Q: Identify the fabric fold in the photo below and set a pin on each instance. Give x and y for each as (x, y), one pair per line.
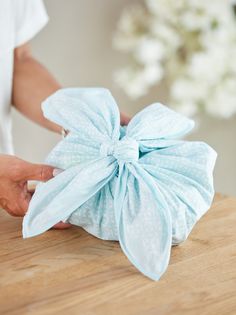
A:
(61, 196)
(144, 229)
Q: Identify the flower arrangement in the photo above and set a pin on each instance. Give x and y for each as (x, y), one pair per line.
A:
(190, 45)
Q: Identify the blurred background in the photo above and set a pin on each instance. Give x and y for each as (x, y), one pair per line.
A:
(182, 54)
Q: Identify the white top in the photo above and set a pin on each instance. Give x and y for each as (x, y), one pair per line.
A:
(20, 20)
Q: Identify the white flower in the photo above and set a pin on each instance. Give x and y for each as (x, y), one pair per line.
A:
(188, 109)
(149, 50)
(163, 10)
(130, 27)
(152, 73)
(222, 103)
(166, 34)
(184, 90)
(208, 66)
(190, 44)
(136, 81)
(132, 82)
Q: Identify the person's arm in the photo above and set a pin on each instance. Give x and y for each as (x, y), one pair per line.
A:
(32, 84)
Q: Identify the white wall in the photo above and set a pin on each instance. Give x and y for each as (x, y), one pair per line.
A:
(76, 47)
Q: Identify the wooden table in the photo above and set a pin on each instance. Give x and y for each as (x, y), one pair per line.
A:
(71, 272)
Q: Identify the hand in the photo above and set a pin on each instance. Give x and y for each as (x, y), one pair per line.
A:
(14, 175)
(124, 119)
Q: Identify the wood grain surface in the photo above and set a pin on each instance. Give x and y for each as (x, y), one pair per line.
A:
(72, 272)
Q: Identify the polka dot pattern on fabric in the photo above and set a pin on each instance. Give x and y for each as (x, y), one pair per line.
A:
(140, 185)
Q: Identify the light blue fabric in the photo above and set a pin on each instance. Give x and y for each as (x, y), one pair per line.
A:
(137, 184)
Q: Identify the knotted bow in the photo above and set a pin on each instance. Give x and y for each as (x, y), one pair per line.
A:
(137, 184)
(126, 150)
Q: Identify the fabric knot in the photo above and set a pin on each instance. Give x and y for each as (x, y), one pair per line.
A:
(126, 149)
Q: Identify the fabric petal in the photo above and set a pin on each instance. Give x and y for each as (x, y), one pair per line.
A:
(71, 151)
(184, 176)
(143, 220)
(96, 215)
(55, 200)
(92, 113)
(157, 122)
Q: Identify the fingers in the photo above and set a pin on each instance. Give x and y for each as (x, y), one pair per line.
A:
(62, 226)
(19, 170)
(16, 209)
(38, 172)
(14, 175)
(124, 119)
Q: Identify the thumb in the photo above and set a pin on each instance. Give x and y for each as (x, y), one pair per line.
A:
(124, 119)
(38, 172)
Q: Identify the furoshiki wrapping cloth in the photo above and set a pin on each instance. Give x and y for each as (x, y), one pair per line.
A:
(138, 184)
